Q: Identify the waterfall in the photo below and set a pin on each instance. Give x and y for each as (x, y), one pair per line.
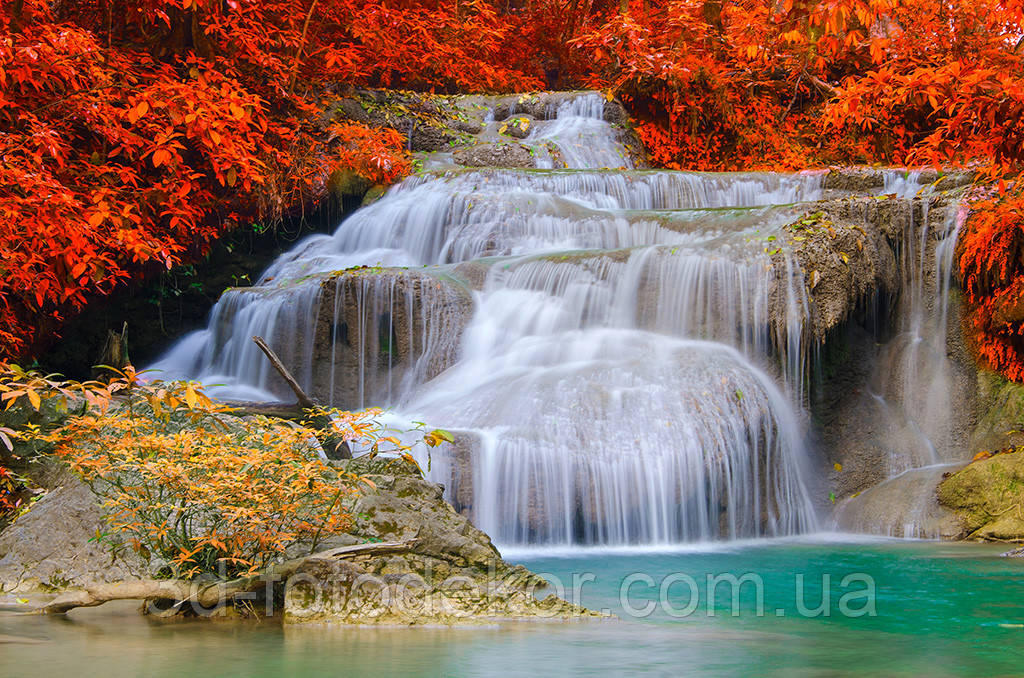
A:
(919, 400)
(628, 369)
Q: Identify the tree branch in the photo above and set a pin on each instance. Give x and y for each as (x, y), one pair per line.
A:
(305, 402)
(208, 594)
(302, 45)
(334, 446)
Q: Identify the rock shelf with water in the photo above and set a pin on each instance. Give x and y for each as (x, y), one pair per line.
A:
(634, 356)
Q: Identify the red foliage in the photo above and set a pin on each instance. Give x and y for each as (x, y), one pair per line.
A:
(134, 132)
(992, 266)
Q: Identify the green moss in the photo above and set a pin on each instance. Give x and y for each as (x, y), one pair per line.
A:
(1001, 421)
(988, 497)
(345, 184)
(386, 527)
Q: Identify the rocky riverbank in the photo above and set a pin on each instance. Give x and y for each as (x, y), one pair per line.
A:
(450, 573)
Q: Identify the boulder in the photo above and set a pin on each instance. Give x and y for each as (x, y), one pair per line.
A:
(988, 497)
(500, 154)
(55, 544)
(452, 576)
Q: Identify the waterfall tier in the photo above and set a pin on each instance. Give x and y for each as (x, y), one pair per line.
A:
(624, 352)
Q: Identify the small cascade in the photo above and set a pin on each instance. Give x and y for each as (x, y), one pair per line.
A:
(920, 394)
(381, 334)
(628, 367)
(914, 378)
(611, 436)
(581, 137)
(224, 356)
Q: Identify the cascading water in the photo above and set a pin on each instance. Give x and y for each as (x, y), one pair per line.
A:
(918, 394)
(631, 368)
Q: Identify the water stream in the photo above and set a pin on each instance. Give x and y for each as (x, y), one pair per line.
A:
(940, 610)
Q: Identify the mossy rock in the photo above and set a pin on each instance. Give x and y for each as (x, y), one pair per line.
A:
(988, 497)
(375, 193)
(1001, 421)
(345, 183)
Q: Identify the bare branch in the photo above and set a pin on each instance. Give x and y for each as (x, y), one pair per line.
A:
(208, 594)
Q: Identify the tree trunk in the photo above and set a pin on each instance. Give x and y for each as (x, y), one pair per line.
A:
(208, 594)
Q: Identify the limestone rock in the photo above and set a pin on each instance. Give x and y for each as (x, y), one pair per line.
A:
(500, 154)
(904, 506)
(988, 496)
(53, 545)
(453, 575)
(390, 324)
(1001, 421)
(351, 592)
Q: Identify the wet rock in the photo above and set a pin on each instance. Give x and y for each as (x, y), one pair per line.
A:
(988, 497)
(344, 184)
(426, 137)
(615, 113)
(502, 154)
(375, 193)
(885, 400)
(904, 506)
(518, 126)
(467, 126)
(867, 179)
(392, 326)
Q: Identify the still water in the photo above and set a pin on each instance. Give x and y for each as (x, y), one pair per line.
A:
(940, 610)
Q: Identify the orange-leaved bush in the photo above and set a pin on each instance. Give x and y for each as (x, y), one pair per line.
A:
(189, 487)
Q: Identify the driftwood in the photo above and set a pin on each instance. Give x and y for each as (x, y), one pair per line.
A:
(208, 594)
(305, 402)
(335, 447)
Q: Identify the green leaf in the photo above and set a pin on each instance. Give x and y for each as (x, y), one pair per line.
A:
(443, 435)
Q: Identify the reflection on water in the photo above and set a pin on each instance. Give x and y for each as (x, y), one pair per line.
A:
(942, 610)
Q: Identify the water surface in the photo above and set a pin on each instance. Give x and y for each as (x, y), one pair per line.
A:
(941, 610)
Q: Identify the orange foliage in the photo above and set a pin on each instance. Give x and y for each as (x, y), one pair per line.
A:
(133, 132)
(12, 495)
(991, 257)
(187, 485)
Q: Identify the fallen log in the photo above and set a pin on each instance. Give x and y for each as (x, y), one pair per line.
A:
(208, 594)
